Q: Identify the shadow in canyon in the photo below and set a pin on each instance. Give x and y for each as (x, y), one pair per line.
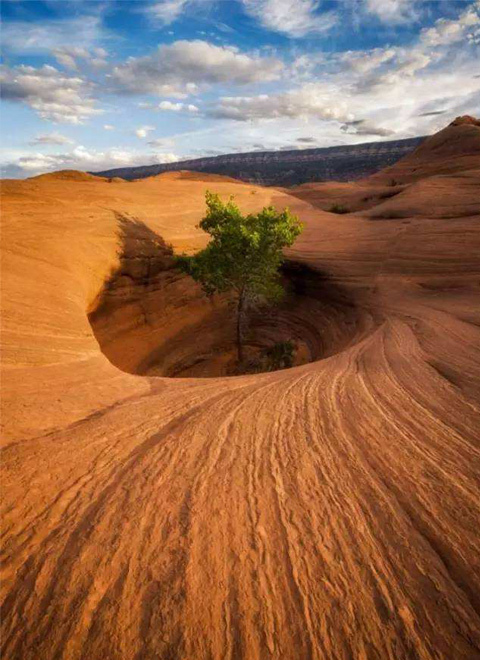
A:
(151, 319)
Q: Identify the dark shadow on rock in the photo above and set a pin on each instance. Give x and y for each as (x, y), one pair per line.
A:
(151, 319)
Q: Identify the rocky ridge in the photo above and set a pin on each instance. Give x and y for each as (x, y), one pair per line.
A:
(287, 168)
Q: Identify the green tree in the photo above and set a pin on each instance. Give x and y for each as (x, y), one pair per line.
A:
(243, 256)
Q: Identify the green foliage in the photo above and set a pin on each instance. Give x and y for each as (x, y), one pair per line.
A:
(280, 355)
(338, 208)
(245, 252)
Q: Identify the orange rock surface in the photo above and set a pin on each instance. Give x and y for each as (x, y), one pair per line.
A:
(328, 511)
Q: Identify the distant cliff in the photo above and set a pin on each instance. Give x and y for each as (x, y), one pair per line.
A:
(287, 168)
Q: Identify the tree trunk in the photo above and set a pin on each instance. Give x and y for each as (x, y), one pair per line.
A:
(240, 313)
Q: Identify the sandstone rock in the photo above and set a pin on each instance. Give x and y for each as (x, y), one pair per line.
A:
(329, 510)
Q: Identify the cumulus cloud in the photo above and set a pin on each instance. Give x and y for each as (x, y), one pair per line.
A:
(177, 107)
(68, 56)
(309, 100)
(446, 32)
(53, 95)
(343, 96)
(382, 92)
(393, 11)
(143, 131)
(295, 18)
(393, 67)
(83, 159)
(51, 138)
(176, 69)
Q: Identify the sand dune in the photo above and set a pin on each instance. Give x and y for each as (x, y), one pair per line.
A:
(328, 511)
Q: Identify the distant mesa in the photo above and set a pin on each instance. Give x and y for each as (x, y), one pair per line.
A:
(286, 168)
(342, 163)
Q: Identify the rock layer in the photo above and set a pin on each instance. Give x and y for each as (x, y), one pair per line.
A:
(325, 511)
(287, 168)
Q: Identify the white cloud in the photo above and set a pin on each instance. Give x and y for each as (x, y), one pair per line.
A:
(435, 52)
(167, 11)
(82, 159)
(309, 100)
(52, 94)
(68, 57)
(381, 92)
(161, 143)
(295, 18)
(366, 61)
(39, 37)
(397, 99)
(177, 107)
(446, 32)
(176, 70)
(164, 158)
(393, 11)
(67, 39)
(143, 131)
(168, 105)
(343, 96)
(407, 64)
(51, 138)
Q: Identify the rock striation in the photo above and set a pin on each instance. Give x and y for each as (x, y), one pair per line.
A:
(287, 168)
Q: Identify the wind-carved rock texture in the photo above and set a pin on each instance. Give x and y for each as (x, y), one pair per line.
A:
(325, 511)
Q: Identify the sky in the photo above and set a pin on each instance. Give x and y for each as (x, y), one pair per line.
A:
(91, 85)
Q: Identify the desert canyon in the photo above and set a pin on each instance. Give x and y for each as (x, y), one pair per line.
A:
(155, 507)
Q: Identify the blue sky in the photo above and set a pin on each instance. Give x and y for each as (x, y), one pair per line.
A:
(90, 85)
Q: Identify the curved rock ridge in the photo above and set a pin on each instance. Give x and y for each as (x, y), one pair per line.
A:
(454, 149)
(325, 511)
(68, 175)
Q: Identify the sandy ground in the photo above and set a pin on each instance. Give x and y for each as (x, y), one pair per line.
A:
(325, 512)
